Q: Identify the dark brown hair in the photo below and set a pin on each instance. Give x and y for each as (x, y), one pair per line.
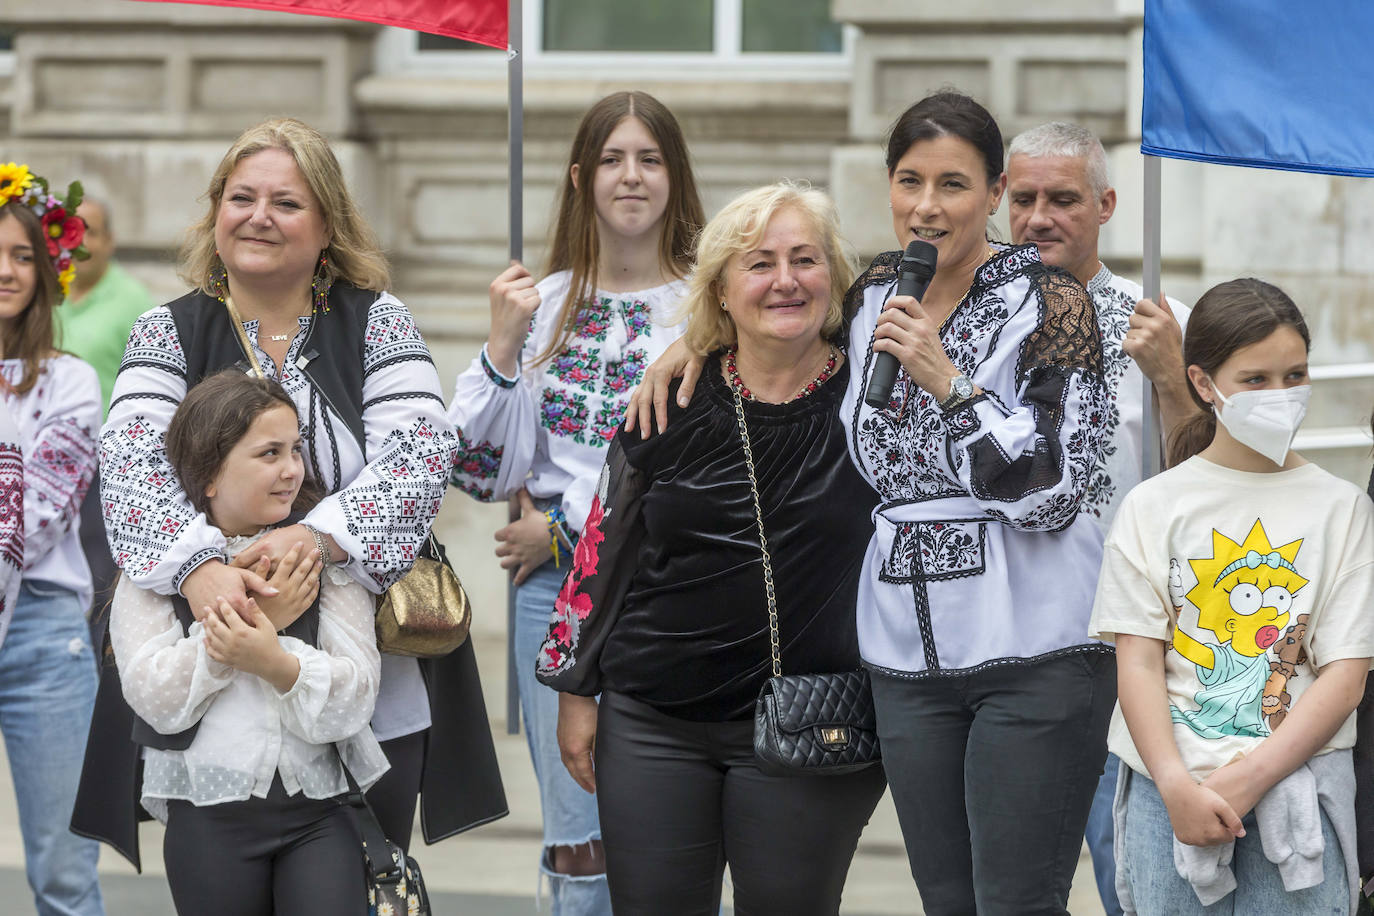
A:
(1229, 316)
(29, 335)
(948, 114)
(212, 418)
(574, 245)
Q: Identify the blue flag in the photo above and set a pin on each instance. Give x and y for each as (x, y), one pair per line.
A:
(1280, 84)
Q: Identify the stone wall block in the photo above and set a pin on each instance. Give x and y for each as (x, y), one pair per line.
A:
(1357, 230)
(1257, 221)
(190, 82)
(1182, 227)
(1024, 78)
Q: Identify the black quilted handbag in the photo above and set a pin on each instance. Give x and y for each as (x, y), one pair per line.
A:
(806, 724)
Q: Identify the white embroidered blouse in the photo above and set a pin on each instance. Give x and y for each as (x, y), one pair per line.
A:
(57, 420)
(549, 430)
(249, 731)
(980, 555)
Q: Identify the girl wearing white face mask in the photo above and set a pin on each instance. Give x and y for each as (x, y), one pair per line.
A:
(1235, 586)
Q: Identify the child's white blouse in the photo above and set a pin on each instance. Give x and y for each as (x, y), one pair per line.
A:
(248, 730)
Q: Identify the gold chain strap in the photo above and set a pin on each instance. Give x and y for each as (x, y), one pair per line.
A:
(243, 336)
(763, 538)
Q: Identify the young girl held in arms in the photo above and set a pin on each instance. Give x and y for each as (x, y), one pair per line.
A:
(1236, 586)
(256, 726)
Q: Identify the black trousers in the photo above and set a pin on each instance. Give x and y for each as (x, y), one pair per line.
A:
(678, 800)
(393, 796)
(992, 774)
(279, 854)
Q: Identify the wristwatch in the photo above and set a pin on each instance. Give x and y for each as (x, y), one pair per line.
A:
(960, 390)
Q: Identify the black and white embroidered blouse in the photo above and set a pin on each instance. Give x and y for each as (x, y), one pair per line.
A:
(980, 556)
(381, 504)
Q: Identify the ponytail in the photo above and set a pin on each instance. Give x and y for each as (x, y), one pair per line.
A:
(1192, 436)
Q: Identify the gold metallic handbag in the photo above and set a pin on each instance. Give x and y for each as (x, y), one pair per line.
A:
(426, 614)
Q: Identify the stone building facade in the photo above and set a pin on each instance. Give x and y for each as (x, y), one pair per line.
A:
(141, 100)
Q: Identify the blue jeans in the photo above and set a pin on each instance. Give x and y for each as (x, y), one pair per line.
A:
(1099, 836)
(1147, 866)
(569, 811)
(47, 691)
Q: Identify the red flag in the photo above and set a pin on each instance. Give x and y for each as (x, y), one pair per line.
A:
(485, 22)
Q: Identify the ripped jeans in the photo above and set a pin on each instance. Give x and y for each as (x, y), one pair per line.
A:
(569, 811)
(47, 692)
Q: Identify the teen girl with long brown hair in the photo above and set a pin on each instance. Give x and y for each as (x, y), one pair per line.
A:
(539, 406)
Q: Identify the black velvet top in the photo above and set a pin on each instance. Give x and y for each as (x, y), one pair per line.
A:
(692, 636)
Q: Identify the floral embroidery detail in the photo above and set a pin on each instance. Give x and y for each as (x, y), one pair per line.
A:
(565, 414)
(593, 320)
(934, 550)
(622, 376)
(638, 318)
(1114, 308)
(475, 464)
(576, 366)
(572, 605)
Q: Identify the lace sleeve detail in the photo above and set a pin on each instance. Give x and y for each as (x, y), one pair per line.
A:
(883, 270)
(1069, 337)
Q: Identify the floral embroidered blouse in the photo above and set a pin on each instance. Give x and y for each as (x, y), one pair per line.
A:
(980, 555)
(11, 516)
(549, 429)
(57, 420)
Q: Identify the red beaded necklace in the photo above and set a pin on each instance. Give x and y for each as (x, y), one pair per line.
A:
(732, 374)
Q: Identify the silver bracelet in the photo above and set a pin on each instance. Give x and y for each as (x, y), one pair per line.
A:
(321, 545)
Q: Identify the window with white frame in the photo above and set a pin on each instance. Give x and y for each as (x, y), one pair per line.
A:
(663, 33)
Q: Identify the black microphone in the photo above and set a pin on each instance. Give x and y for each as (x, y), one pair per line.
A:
(913, 279)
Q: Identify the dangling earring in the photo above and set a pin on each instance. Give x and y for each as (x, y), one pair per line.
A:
(319, 286)
(219, 280)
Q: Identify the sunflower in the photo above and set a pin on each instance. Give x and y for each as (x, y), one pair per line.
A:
(14, 180)
(65, 279)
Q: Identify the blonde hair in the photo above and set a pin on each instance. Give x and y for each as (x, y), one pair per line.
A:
(353, 254)
(739, 227)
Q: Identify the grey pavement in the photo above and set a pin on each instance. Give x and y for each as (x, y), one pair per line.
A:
(490, 871)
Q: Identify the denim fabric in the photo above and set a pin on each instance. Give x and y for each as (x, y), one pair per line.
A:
(992, 774)
(569, 811)
(1148, 870)
(1099, 836)
(47, 692)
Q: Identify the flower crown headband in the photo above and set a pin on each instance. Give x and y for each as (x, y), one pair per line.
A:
(63, 230)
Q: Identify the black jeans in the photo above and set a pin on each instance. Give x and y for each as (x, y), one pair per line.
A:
(992, 774)
(680, 799)
(282, 854)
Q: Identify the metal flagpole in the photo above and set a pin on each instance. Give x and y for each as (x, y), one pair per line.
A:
(1150, 436)
(515, 87)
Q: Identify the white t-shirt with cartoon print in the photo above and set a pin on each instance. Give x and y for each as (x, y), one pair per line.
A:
(1254, 582)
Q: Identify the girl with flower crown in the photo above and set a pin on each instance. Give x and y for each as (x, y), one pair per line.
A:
(540, 405)
(47, 667)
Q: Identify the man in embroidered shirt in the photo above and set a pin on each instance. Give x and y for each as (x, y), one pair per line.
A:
(1060, 198)
(94, 324)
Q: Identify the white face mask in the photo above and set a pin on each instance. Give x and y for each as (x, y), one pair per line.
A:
(1266, 420)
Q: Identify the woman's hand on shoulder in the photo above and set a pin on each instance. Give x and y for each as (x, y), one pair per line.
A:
(514, 300)
(577, 738)
(908, 333)
(1199, 815)
(216, 582)
(649, 400)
